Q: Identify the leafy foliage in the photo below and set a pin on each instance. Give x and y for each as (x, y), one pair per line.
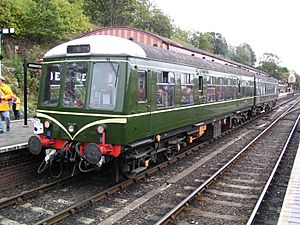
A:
(43, 20)
(181, 36)
(55, 19)
(204, 41)
(14, 13)
(211, 42)
(110, 13)
(270, 63)
(137, 13)
(221, 46)
(242, 54)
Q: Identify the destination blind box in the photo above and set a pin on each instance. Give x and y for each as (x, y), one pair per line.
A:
(34, 66)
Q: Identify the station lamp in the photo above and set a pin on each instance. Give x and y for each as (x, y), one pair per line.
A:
(4, 31)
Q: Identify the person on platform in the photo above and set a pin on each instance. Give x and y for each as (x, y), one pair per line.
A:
(16, 107)
(5, 95)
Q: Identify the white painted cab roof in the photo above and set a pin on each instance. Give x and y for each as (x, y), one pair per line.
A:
(99, 45)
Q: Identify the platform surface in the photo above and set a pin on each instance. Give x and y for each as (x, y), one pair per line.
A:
(18, 135)
(290, 211)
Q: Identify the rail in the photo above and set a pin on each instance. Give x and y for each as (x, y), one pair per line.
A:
(176, 210)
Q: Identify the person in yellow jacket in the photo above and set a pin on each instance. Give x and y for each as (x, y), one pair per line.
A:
(5, 95)
(16, 107)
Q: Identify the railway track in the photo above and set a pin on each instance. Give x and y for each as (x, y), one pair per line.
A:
(75, 209)
(24, 196)
(235, 192)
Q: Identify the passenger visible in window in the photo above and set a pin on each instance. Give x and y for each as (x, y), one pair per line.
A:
(219, 94)
(166, 97)
(159, 95)
(162, 97)
(69, 96)
(187, 95)
(70, 99)
(141, 94)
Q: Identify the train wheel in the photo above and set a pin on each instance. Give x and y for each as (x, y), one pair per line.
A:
(168, 155)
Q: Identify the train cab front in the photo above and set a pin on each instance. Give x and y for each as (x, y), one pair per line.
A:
(76, 110)
(84, 155)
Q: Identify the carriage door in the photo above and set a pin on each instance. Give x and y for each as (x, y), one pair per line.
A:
(144, 96)
(202, 96)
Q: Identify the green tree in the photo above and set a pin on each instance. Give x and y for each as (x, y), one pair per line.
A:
(55, 20)
(204, 41)
(136, 13)
(109, 13)
(221, 46)
(270, 64)
(14, 13)
(160, 23)
(181, 36)
(283, 74)
(150, 18)
(243, 54)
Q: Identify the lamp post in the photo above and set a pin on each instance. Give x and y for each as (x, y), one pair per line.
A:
(4, 31)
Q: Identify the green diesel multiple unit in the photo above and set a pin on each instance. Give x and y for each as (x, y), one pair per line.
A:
(104, 97)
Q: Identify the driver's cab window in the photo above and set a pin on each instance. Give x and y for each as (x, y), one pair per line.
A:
(52, 85)
(104, 86)
(75, 84)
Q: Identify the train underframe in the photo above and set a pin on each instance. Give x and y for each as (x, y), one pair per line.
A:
(139, 155)
(136, 156)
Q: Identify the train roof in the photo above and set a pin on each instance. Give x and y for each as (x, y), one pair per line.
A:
(112, 45)
(98, 44)
(180, 58)
(148, 38)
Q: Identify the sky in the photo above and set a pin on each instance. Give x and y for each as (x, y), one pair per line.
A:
(268, 26)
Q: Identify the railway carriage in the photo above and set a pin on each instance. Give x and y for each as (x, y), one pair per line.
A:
(106, 98)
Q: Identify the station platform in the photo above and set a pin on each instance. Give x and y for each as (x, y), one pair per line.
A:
(290, 211)
(18, 135)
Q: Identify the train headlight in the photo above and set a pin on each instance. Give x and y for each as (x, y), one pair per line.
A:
(47, 124)
(100, 129)
(71, 128)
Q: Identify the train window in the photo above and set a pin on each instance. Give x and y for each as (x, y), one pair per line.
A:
(211, 89)
(52, 85)
(165, 89)
(244, 85)
(104, 86)
(142, 86)
(187, 88)
(231, 89)
(220, 89)
(247, 88)
(75, 84)
(251, 88)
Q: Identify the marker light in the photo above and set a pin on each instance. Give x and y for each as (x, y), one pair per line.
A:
(71, 128)
(47, 124)
(100, 129)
